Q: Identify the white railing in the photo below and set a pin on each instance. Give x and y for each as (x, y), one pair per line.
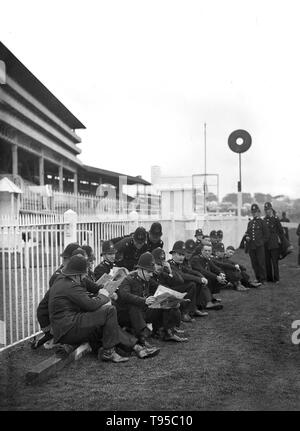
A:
(82, 204)
(30, 251)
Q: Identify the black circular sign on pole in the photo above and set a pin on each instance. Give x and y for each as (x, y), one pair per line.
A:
(241, 135)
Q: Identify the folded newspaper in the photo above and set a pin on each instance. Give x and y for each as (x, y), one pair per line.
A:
(166, 298)
(110, 282)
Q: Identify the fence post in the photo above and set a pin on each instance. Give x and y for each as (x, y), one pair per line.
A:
(2, 333)
(70, 231)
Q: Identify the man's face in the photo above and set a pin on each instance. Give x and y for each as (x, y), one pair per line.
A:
(206, 241)
(220, 254)
(269, 213)
(229, 253)
(110, 257)
(144, 274)
(154, 238)
(199, 238)
(255, 214)
(188, 254)
(178, 257)
(158, 268)
(138, 244)
(206, 251)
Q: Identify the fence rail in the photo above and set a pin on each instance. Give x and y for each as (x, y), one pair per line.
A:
(82, 204)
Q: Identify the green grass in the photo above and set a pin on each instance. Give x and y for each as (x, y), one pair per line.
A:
(240, 358)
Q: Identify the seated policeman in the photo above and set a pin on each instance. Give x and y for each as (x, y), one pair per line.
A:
(134, 298)
(202, 262)
(130, 249)
(109, 255)
(245, 277)
(187, 285)
(231, 270)
(76, 318)
(154, 237)
(42, 309)
(165, 322)
(198, 236)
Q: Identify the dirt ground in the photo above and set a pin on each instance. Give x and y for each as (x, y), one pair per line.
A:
(239, 358)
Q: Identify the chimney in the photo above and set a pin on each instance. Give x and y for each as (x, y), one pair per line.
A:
(155, 174)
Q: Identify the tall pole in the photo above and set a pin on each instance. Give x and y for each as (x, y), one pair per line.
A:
(239, 197)
(204, 185)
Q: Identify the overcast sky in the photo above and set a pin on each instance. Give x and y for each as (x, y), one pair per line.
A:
(144, 76)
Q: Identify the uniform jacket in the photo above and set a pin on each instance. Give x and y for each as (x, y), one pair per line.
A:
(151, 245)
(258, 232)
(276, 232)
(165, 279)
(89, 283)
(228, 260)
(190, 274)
(68, 300)
(206, 266)
(223, 263)
(42, 309)
(104, 267)
(128, 254)
(177, 272)
(132, 291)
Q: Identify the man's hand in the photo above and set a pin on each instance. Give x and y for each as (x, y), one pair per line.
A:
(204, 281)
(168, 267)
(114, 296)
(221, 280)
(247, 238)
(150, 300)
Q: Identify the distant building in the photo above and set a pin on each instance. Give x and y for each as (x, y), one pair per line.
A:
(38, 139)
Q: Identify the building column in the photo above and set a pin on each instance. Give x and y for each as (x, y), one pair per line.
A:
(61, 178)
(14, 150)
(75, 177)
(41, 171)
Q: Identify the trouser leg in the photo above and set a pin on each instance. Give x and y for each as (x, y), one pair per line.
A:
(97, 327)
(260, 255)
(213, 286)
(254, 263)
(274, 259)
(268, 261)
(190, 289)
(166, 319)
(134, 318)
(203, 296)
(245, 279)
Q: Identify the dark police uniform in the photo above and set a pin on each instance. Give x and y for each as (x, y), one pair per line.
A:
(155, 232)
(104, 267)
(258, 232)
(209, 270)
(272, 245)
(134, 313)
(128, 254)
(76, 318)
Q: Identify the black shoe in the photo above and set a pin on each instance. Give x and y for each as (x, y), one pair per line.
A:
(171, 336)
(143, 352)
(38, 343)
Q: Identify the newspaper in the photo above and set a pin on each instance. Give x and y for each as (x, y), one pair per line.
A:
(111, 282)
(166, 298)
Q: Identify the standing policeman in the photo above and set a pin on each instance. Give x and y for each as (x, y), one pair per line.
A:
(272, 245)
(257, 235)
